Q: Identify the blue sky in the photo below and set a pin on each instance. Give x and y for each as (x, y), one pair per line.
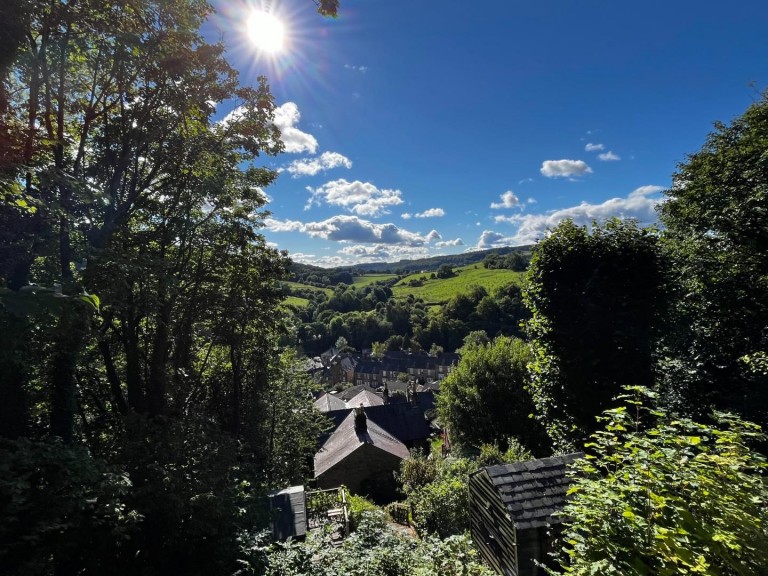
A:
(423, 127)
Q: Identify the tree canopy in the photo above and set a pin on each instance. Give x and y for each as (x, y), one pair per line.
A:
(716, 235)
(485, 400)
(597, 295)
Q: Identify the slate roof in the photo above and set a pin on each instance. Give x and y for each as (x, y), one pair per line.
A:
(403, 420)
(345, 440)
(365, 398)
(328, 402)
(368, 367)
(533, 490)
(351, 392)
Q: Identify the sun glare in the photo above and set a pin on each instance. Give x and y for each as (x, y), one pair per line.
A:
(266, 31)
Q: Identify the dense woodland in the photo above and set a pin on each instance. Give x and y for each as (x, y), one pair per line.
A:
(150, 394)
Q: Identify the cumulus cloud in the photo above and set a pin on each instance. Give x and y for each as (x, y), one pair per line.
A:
(430, 213)
(491, 239)
(449, 243)
(564, 168)
(406, 215)
(362, 69)
(508, 200)
(608, 156)
(640, 205)
(287, 117)
(345, 228)
(362, 198)
(594, 147)
(312, 166)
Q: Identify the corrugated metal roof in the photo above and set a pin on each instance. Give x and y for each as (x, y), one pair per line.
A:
(533, 490)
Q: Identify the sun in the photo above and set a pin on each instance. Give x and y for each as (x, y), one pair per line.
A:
(266, 31)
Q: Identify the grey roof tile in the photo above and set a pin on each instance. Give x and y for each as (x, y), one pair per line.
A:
(533, 490)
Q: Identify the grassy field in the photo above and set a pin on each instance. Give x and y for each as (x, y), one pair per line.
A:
(367, 279)
(296, 302)
(437, 291)
(297, 286)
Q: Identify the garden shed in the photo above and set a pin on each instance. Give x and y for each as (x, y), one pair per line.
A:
(513, 512)
(288, 513)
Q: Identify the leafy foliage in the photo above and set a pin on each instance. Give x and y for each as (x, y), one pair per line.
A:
(661, 495)
(485, 399)
(437, 492)
(717, 237)
(375, 550)
(597, 299)
(60, 507)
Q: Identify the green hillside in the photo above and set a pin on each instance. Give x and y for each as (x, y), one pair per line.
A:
(297, 286)
(438, 291)
(367, 279)
(296, 302)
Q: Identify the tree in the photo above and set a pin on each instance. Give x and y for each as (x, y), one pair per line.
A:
(717, 236)
(485, 400)
(597, 299)
(141, 198)
(445, 271)
(663, 495)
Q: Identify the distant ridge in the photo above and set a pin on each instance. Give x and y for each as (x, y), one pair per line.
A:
(409, 266)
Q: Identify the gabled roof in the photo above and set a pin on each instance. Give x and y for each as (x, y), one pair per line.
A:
(402, 420)
(328, 402)
(351, 392)
(365, 398)
(534, 490)
(345, 440)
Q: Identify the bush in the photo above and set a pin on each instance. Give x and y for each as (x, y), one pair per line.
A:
(661, 495)
(375, 550)
(359, 508)
(60, 507)
(441, 506)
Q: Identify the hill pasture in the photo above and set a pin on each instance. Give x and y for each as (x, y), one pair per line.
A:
(436, 291)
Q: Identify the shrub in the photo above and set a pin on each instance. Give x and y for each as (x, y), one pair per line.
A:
(661, 495)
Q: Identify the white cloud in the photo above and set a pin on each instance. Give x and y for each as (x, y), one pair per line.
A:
(431, 213)
(608, 156)
(311, 166)
(345, 228)
(362, 198)
(531, 200)
(508, 200)
(448, 243)
(287, 117)
(362, 69)
(406, 216)
(594, 147)
(564, 168)
(640, 205)
(491, 239)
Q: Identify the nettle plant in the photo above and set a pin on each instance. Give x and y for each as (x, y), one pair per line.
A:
(663, 495)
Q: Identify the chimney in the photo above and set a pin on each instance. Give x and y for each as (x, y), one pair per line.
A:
(361, 420)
